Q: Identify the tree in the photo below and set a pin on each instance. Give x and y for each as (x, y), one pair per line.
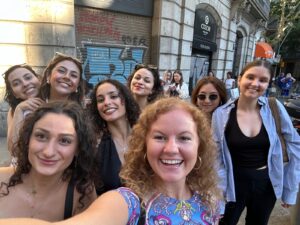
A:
(284, 24)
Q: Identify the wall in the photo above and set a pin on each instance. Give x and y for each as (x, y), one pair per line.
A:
(111, 43)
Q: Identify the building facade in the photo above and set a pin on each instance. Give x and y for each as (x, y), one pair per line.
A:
(111, 36)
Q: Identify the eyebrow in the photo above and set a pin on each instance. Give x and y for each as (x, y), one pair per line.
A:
(67, 69)
(108, 93)
(61, 134)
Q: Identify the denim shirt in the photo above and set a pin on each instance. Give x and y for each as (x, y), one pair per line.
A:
(285, 178)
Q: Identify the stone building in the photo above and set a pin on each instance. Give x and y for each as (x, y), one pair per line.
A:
(111, 36)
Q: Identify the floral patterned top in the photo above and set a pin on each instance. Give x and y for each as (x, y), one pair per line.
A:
(164, 210)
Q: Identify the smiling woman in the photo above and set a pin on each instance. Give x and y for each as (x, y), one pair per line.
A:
(113, 111)
(62, 79)
(54, 176)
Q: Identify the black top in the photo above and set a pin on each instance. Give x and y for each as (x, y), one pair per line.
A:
(109, 164)
(69, 200)
(248, 152)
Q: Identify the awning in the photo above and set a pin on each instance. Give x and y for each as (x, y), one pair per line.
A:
(263, 50)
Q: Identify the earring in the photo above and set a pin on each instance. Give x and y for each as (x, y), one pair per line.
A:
(76, 91)
(145, 157)
(200, 163)
(48, 81)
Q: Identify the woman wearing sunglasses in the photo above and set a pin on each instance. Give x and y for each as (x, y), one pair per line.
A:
(208, 94)
(145, 84)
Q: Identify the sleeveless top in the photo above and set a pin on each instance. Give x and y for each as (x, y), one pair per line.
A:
(69, 200)
(162, 209)
(109, 164)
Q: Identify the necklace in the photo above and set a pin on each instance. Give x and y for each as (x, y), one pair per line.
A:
(123, 148)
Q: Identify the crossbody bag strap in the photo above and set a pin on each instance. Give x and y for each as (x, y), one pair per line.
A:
(275, 113)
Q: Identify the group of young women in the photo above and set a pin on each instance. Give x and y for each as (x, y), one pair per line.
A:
(168, 162)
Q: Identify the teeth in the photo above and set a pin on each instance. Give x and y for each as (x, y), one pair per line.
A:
(109, 110)
(171, 161)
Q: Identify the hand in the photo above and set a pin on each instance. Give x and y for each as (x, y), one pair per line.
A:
(30, 104)
(285, 205)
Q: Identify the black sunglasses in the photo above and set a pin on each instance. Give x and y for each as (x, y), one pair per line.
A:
(149, 66)
(211, 97)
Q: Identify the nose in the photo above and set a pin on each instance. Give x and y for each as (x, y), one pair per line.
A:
(67, 75)
(255, 82)
(107, 100)
(49, 150)
(171, 145)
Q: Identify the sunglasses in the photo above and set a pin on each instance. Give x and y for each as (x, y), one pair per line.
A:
(59, 54)
(149, 66)
(211, 97)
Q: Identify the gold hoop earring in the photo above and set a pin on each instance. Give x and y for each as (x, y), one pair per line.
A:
(200, 163)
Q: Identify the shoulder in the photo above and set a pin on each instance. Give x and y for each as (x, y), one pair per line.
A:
(129, 196)
(6, 173)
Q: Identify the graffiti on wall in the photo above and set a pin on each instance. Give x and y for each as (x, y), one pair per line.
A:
(115, 61)
(92, 23)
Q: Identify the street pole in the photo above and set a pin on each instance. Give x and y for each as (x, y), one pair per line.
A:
(278, 50)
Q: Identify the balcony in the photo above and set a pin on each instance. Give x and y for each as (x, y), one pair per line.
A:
(260, 9)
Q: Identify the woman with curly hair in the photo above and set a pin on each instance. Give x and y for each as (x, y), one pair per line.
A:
(168, 173)
(22, 87)
(113, 111)
(62, 79)
(53, 179)
(145, 84)
(208, 94)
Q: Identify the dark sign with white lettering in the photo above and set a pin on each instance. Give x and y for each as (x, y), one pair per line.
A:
(205, 30)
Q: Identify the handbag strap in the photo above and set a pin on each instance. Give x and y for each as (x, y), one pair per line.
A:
(274, 109)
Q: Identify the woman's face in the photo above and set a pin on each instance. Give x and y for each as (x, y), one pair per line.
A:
(177, 78)
(52, 145)
(172, 146)
(142, 83)
(254, 82)
(111, 106)
(208, 98)
(64, 79)
(24, 83)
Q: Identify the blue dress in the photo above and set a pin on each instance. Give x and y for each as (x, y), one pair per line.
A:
(164, 210)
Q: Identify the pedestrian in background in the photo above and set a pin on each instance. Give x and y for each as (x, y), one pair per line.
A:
(252, 171)
(229, 84)
(178, 87)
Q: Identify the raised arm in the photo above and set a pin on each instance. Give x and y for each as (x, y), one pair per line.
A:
(109, 209)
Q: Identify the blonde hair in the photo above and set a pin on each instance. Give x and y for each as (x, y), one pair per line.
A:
(139, 176)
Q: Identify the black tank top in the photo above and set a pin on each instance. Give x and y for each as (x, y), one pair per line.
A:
(248, 152)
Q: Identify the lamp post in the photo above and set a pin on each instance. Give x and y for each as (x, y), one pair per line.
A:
(278, 50)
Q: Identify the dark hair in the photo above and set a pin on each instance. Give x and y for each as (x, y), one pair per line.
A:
(180, 73)
(9, 95)
(45, 87)
(81, 170)
(255, 63)
(219, 85)
(131, 107)
(229, 73)
(157, 89)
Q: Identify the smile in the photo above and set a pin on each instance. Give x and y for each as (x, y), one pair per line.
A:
(109, 110)
(48, 162)
(171, 161)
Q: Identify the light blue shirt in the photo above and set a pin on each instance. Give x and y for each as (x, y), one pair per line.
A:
(285, 178)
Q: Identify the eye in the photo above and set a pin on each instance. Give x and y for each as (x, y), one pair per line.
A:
(65, 141)
(147, 80)
(100, 99)
(61, 70)
(40, 136)
(184, 138)
(74, 75)
(137, 77)
(159, 137)
(15, 83)
(114, 96)
(28, 77)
